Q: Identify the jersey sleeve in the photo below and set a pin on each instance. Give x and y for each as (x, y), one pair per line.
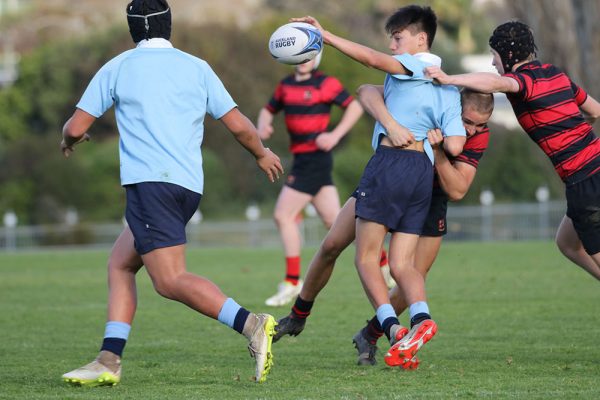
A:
(452, 117)
(99, 94)
(474, 148)
(413, 65)
(219, 101)
(334, 92)
(580, 94)
(275, 104)
(524, 82)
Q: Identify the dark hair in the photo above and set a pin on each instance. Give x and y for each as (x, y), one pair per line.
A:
(514, 43)
(153, 26)
(482, 102)
(414, 18)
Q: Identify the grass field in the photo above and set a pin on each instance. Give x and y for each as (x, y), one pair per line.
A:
(516, 320)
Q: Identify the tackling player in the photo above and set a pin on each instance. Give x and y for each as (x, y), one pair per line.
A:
(549, 106)
(394, 192)
(453, 178)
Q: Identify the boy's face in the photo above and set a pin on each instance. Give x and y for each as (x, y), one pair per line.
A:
(497, 61)
(405, 41)
(305, 68)
(473, 121)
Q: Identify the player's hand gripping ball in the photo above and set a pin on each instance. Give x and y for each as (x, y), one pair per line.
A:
(295, 43)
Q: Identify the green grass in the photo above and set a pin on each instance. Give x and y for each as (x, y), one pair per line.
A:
(516, 320)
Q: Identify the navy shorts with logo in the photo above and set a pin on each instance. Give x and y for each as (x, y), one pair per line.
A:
(583, 207)
(310, 172)
(435, 222)
(157, 213)
(395, 189)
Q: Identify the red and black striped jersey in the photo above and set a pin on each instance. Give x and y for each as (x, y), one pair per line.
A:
(547, 107)
(471, 154)
(307, 107)
(474, 148)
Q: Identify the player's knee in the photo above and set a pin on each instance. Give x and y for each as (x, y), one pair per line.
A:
(118, 264)
(563, 244)
(397, 269)
(559, 242)
(282, 218)
(331, 249)
(566, 248)
(363, 262)
(166, 287)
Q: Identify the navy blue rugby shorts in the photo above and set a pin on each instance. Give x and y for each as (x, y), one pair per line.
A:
(310, 172)
(583, 207)
(435, 223)
(395, 189)
(157, 213)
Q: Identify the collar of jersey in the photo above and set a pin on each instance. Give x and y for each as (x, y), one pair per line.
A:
(154, 43)
(429, 58)
(529, 65)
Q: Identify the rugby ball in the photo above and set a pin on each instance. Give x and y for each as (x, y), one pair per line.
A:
(295, 43)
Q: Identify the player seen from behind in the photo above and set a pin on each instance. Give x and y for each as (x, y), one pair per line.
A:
(161, 96)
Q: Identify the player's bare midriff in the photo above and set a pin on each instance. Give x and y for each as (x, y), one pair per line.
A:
(416, 146)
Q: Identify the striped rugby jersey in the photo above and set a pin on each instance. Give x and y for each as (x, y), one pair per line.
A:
(471, 154)
(547, 108)
(307, 107)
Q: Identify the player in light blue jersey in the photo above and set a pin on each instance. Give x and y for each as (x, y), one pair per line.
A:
(161, 96)
(394, 192)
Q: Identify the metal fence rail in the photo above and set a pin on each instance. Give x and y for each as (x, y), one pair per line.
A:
(522, 221)
(499, 222)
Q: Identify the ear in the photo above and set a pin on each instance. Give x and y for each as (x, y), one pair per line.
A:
(422, 39)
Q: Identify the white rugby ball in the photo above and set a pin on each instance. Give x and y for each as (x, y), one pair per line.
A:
(295, 43)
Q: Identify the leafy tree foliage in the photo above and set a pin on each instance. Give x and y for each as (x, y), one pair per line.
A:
(513, 168)
(40, 185)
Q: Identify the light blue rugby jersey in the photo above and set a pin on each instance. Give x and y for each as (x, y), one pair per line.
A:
(161, 96)
(419, 105)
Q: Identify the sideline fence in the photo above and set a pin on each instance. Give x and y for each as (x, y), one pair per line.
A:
(498, 222)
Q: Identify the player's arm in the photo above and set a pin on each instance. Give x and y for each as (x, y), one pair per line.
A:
(453, 145)
(351, 115)
(485, 82)
(454, 134)
(590, 109)
(264, 124)
(75, 131)
(455, 179)
(246, 134)
(371, 98)
(363, 54)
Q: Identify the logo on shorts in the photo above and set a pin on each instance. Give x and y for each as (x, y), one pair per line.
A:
(441, 225)
(290, 179)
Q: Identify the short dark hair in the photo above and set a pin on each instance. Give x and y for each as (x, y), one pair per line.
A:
(482, 102)
(414, 18)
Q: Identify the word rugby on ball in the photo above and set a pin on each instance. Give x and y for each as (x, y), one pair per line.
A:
(295, 43)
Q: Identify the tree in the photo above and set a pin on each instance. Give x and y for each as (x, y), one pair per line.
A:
(566, 33)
